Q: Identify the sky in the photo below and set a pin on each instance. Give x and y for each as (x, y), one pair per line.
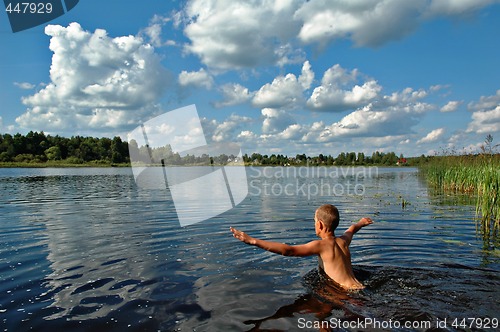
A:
(285, 77)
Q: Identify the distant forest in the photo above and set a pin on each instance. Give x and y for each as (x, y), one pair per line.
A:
(37, 148)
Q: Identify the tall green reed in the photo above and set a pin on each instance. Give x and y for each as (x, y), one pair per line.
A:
(478, 175)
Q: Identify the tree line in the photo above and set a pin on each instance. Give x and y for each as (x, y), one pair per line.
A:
(342, 159)
(36, 147)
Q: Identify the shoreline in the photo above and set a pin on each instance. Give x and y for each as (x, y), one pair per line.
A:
(59, 165)
(110, 165)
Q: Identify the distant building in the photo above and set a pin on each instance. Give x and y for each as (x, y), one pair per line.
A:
(402, 162)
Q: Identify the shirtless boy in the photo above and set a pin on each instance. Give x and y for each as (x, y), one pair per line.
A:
(333, 252)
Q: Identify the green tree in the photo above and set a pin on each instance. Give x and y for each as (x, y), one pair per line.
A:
(341, 159)
(7, 150)
(389, 159)
(104, 148)
(351, 158)
(53, 153)
(19, 143)
(119, 150)
(361, 158)
(376, 158)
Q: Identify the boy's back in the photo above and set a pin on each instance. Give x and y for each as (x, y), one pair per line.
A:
(335, 261)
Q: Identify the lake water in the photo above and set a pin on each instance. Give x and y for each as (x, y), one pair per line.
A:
(86, 249)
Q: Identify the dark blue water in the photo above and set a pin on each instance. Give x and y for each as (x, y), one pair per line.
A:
(88, 250)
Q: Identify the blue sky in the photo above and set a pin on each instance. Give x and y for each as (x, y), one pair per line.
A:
(288, 76)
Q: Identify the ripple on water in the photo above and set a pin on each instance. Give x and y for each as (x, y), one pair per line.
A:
(88, 250)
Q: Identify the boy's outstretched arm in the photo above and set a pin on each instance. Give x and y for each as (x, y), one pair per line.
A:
(353, 229)
(308, 249)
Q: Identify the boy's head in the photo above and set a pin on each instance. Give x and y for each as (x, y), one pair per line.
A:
(329, 215)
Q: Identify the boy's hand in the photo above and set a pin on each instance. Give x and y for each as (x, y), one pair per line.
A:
(242, 236)
(365, 221)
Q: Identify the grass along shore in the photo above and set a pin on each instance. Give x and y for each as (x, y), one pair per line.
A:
(478, 175)
(60, 164)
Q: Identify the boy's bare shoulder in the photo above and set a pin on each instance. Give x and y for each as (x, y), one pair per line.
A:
(318, 243)
(328, 244)
(342, 241)
(323, 244)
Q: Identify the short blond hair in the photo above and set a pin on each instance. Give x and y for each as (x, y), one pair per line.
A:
(329, 215)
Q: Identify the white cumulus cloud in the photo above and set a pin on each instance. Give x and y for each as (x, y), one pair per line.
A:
(371, 122)
(307, 76)
(240, 34)
(97, 82)
(247, 135)
(275, 120)
(153, 32)
(224, 131)
(24, 85)
(433, 136)
(234, 94)
(339, 91)
(292, 132)
(456, 7)
(285, 90)
(485, 102)
(198, 78)
(366, 22)
(451, 106)
(486, 115)
(235, 34)
(485, 122)
(393, 115)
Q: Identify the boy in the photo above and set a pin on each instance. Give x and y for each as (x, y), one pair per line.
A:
(333, 252)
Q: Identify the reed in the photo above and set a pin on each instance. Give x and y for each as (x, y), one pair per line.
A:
(477, 175)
